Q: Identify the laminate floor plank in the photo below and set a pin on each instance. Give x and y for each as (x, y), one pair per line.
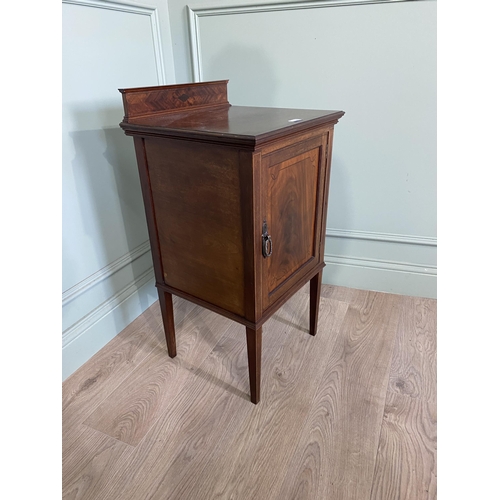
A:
(340, 293)
(85, 389)
(406, 461)
(344, 415)
(185, 433)
(85, 460)
(91, 384)
(413, 370)
(211, 411)
(335, 455)
(131, 410)
(225, 373)
(261, 448)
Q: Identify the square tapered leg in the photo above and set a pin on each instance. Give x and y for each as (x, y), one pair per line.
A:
(254, 349)
(315, 295)
(167, 313)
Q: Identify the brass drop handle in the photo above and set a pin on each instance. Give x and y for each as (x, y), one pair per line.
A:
(267, 242)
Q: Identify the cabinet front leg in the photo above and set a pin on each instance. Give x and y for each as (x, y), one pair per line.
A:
(315, 295)
(167, 313)
(254, 349)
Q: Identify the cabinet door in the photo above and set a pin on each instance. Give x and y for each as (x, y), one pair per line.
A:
(294, 179)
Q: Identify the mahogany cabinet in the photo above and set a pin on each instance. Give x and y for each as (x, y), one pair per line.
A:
(235, 201)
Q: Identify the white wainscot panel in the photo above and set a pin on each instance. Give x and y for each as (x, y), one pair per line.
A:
(106, 46)
(89, 295)
(377, 62)
(107, 273)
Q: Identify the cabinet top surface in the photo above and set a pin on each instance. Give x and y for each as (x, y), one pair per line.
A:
(243, 124)
(201, 111)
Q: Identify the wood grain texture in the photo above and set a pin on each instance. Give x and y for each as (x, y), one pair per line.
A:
(167, 314)
(242, 126)
(340, 293)
(291, 214)
(267, 436)
(86, 388)
(335, 456)
(406, 461)
(147, 101)
(250, 198)
(414, 370)
(147, 196)
(254, 349)
(84, 461)
(211, 411)
(133, 408)
(293, 208)
(326, 148)
(196, 196)
(184, 434)
(314, 301)
(94, 382)
(329, 425)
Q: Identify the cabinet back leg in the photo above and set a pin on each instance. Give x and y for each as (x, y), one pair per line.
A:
(315, 295)
(167, 313)
(254, 349)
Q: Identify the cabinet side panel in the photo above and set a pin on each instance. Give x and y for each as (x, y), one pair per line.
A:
(196, 196)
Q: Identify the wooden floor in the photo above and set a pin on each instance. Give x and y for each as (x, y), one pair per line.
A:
(348, 414)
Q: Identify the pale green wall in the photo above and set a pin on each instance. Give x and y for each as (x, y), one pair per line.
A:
(107, 267)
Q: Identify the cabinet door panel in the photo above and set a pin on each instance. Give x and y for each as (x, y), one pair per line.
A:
(293, 214)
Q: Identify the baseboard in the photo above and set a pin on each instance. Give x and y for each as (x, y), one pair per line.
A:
(95, 330)
(379, 275)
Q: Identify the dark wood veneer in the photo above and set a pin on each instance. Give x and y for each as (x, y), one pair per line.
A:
(211, 175)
